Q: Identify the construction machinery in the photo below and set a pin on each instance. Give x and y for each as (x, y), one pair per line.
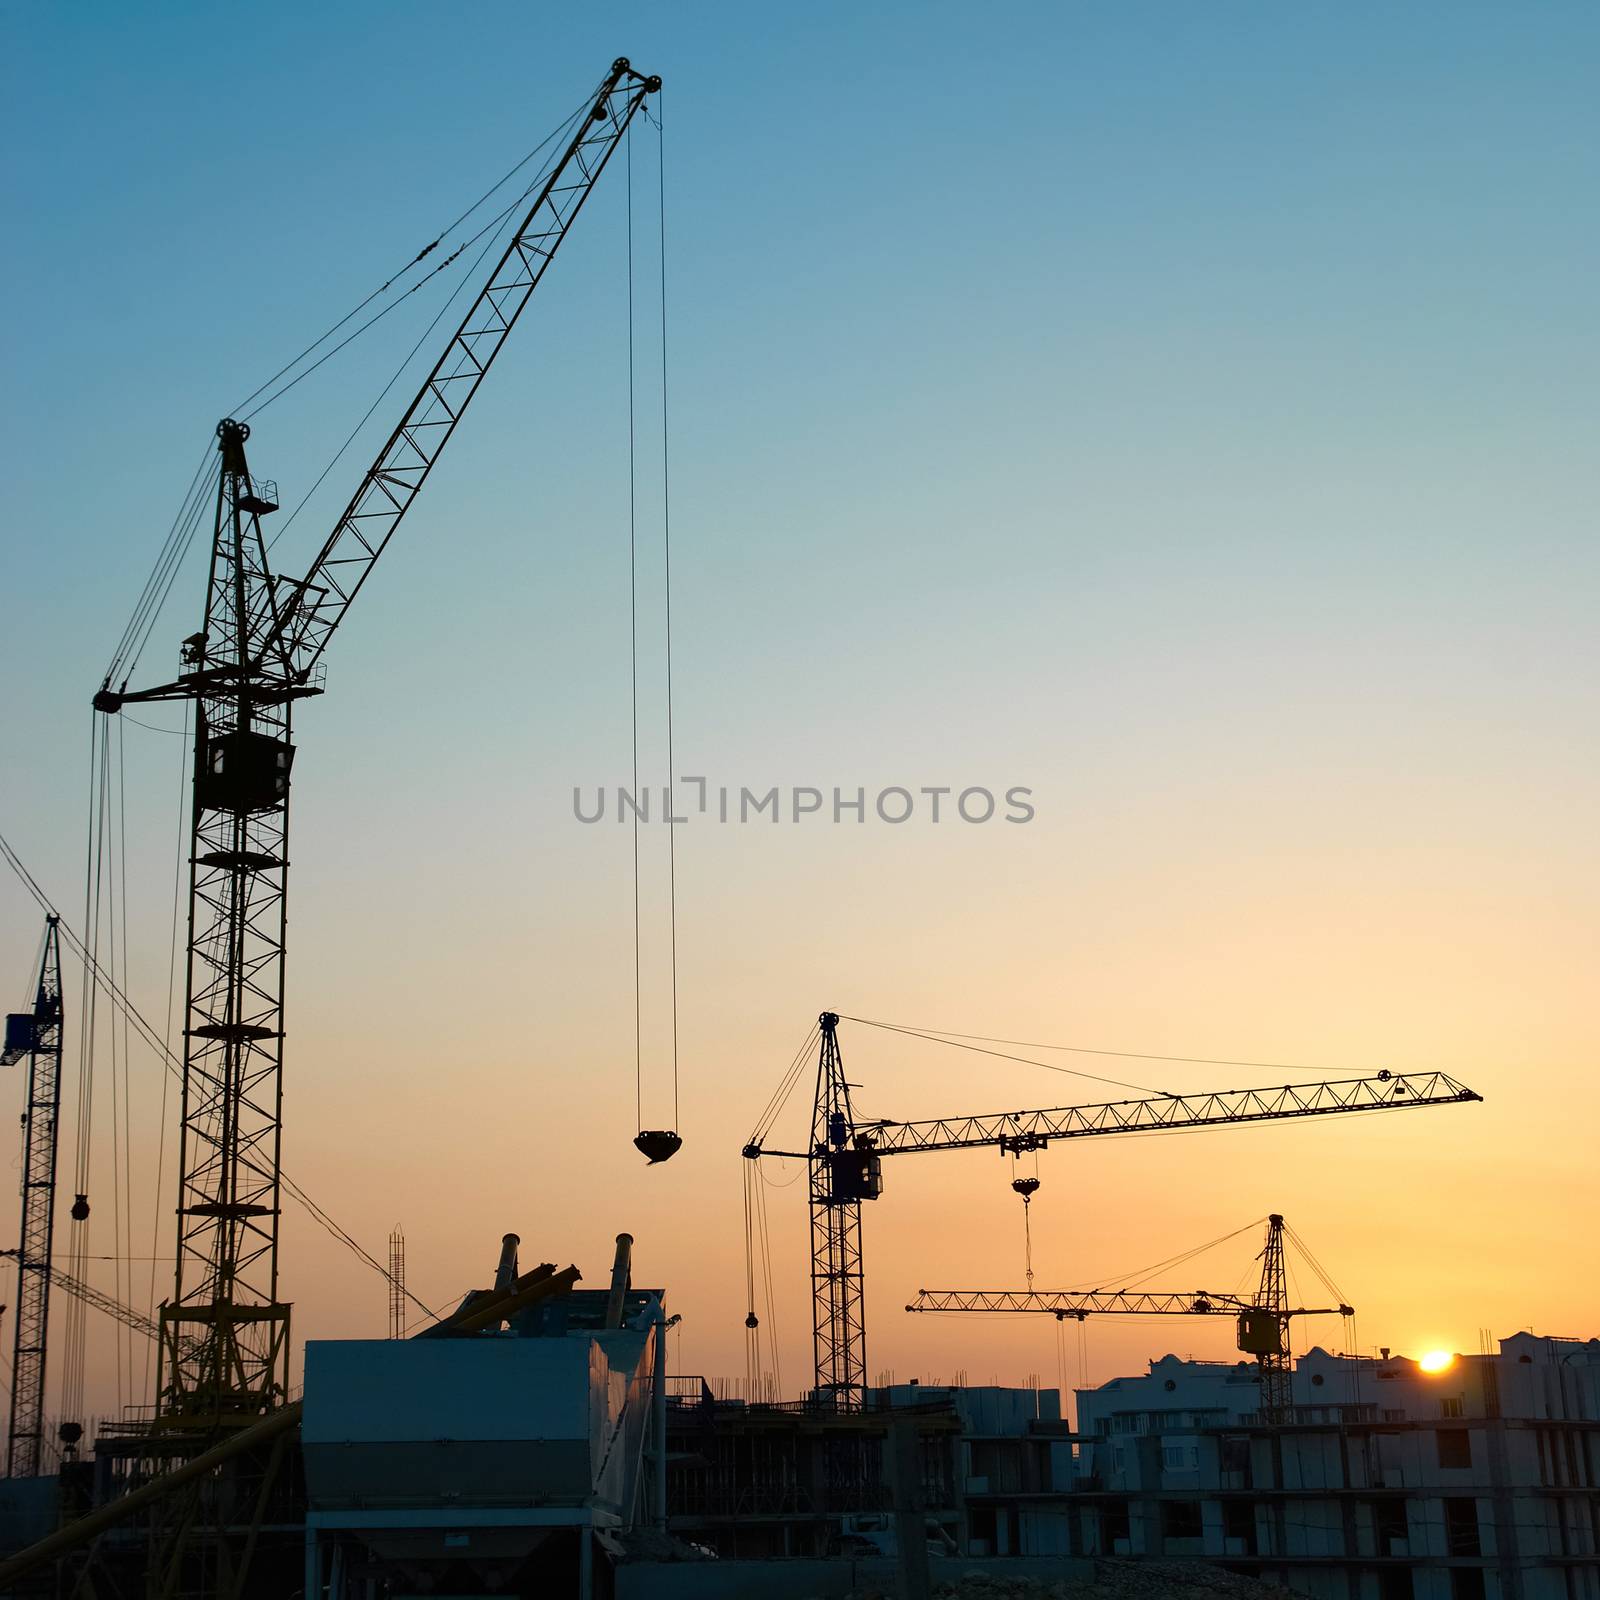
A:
(844, 1164)
(259, 649)
(98, 1299)
(35, 1035)
(1261, 1323)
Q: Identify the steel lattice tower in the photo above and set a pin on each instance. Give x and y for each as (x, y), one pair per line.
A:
(36, 1034)
(1272, 1351)
(225, 1334)
(397, 1285)
(843, 1172)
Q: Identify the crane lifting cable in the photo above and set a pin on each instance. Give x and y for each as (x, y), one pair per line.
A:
(190, 516)
(654, 1144)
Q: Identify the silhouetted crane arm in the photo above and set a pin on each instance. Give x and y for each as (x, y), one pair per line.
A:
(1081, 1303)
(113, 1308)
(1014, 1132)
(306, 612)
(391, 483)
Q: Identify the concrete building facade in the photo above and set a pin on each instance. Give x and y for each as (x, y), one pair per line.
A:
(1478, 1481)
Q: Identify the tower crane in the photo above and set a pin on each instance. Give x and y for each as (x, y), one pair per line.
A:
(36, 1035)
(1261, 1323)
(844, 1168)
(224, 1333)
(98, 1298)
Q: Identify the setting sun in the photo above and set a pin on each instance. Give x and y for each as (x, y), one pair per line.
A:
(1436, 1361)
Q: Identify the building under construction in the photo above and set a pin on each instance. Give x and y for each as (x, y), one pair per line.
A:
(531, 1440)
(542, 1448)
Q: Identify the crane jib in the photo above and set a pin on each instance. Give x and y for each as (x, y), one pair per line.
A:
(402, 466)
(1014, 1132)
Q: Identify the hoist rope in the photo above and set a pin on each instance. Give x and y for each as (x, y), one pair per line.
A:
(157, 1209)
(752, 1337)
(956, 1043)
(633, 660)
(77, 1235)
(494, 225)
(427, 250)
(1129, 1280)
(30, 992)
(174, 548)
(666, 546)
(121, 1145)
(499, 224)
(786, 1086)
(766, 1275)
(159, 583)
(1088, 1050)
(633, 640)
(1315, 1265)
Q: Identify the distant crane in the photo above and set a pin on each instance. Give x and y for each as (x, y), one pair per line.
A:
(844, 1168)
(1261, 1324)
(224, 1350)
(100, 1300)
(35, 1034)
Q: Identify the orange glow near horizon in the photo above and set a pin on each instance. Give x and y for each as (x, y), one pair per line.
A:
(1437, 1361)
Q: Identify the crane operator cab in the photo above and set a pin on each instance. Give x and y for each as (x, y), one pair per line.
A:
(1261, 1333)
(244, 772)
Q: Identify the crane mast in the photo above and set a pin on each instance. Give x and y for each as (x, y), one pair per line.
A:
(840, 1177)
(36, 1035)
(225, 1332)
(1264, 1331)
(844, 1167)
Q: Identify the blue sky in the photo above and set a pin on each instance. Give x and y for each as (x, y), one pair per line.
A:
(1186, 411)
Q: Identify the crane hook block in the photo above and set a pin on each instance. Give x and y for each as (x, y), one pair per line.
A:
(1026, 1187)
(657, 1144)
(80, 1208)
(752, 1321)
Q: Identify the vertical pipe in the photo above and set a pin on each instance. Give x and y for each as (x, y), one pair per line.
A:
(619, 1279)
(313, 1563)
(505, 1274)
(659, 1422)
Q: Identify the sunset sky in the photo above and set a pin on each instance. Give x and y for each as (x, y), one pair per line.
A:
(1185, 413)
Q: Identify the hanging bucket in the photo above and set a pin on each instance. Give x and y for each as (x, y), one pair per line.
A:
(657, 1144)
